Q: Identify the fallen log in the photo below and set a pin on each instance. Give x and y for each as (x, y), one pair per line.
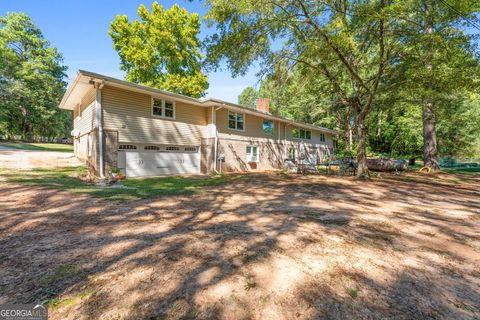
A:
(384, 164)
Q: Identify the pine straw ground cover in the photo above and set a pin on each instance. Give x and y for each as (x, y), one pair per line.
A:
(267, 246)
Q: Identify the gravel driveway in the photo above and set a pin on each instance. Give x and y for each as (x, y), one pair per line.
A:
(28, 159)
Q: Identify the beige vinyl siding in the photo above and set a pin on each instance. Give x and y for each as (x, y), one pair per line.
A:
(210, 111)
(84, 114)
(254, 129)
(130, 113)
(315, 137)
(253, 126)
(84, 121)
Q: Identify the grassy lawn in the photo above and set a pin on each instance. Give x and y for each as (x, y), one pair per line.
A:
(40, 146)
(462, 170)
(419, 164)
(139, 188)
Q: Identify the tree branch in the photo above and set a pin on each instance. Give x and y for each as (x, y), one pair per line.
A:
(337, 51)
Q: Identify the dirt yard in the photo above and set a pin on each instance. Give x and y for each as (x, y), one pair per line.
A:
(265, 246)
(27, 159)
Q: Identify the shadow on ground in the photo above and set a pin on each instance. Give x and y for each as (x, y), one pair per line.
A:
(266, 247)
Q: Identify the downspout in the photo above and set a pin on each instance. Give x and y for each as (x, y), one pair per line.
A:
(214, 119)
(99, 125)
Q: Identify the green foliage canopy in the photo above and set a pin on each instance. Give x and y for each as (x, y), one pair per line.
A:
(439, 68)
(31, 81)
(348, 44)
(248, 97)
(161, 49)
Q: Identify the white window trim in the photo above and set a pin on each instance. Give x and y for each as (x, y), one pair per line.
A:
(163, 109)
(305, 134)
(273, 127)
(249, 156)
(228, 120)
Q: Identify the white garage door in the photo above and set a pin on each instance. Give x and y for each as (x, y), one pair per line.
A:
(159, 163)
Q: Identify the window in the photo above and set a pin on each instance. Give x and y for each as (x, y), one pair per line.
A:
(172, 148)
(168, 109)
(151, 148)
(252, 154)
(308, 134)
(300, 133)
(235, 121)
(267, 127)
(190, 149)
(127, 147)
(163, 109)
(322, 136)
(157, 107)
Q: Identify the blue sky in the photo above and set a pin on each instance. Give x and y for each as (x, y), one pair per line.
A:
(79, 30)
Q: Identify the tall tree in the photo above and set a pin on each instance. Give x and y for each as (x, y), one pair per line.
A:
(348, 44)
(248, 97)
(438, 62)
(298, 94)
(161, 49)
(459, 131)
(31, 80)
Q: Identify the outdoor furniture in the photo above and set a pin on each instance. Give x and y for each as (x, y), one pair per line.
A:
(345, 166)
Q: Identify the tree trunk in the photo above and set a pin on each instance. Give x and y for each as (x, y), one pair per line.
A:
(428, 114)
(429, 137)
(26, 128)
(362, 170)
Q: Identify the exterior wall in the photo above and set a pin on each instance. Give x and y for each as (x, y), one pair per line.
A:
(272, 149)
(315, 137)
(84, 122)
(110, 149)
(127, 118)
(270, 155)
(86, 149)
(253, 127)
(207, 155)
(130, 113)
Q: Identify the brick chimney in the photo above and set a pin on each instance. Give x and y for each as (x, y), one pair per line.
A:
(263, 104)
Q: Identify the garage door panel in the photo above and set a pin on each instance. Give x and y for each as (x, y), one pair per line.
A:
(154, 163)
(190, 158)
